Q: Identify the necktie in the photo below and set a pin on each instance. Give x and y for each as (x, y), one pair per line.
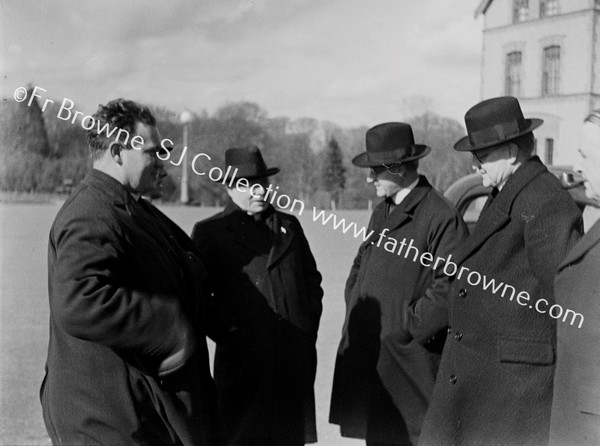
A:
(390, 206)
(491, 197)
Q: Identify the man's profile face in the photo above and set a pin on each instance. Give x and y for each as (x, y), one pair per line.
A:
(385, 182)
(493, 164)
(589, 159)
(142, 168)
(250, 199)
(157, 191)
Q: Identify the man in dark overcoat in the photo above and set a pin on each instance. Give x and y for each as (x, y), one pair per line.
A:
(576, 403)
(267, 307)
(395, 297)
(127, 358)
(494, 385)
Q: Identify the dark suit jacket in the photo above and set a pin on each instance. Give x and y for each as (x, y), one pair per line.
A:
(576, 403)
(394, 307)
(494, 384)
(124, 290)
(270, 292)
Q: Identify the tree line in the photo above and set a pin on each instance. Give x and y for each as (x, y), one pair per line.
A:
(41, 153)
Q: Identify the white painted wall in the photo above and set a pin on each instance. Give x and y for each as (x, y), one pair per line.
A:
(574, 29)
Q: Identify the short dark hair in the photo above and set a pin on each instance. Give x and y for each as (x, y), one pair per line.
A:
(525, 144)
(118, 115)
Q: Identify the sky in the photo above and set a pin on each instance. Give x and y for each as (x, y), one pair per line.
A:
(351, 62)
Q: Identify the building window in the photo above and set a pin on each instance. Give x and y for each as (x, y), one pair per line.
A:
(548, 8)
(520, 10)
(512, 74)
(551, 71)
(548, 154)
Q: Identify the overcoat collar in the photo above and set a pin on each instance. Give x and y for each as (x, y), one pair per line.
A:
(147, 219)
(108, 187)
(403, 211)
(587, 242)
(497, 215)
(283, 233)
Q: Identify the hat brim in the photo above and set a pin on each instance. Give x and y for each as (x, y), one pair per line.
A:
(372, 159)
(267, 173)
(464, 145)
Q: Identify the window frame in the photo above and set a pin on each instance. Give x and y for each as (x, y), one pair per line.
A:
(510, 69)
(551, 70)
(520, 11)
(545, 10)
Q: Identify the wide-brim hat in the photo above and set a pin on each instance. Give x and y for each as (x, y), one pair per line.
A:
(495, 121)
(247, 162)
(390, 143)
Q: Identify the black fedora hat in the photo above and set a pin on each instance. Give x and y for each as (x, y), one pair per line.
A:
(390, 143)
(248, 162)
(494, 121)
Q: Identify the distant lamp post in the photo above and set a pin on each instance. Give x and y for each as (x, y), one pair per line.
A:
(185, 118)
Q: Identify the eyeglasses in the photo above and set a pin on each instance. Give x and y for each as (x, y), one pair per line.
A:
(376, 170)
(483, 155)
(477, 158)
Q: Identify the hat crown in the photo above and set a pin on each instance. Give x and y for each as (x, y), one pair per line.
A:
(390, 136)
(495, 121)
(248, 161)
(492, 112)
(390, 143)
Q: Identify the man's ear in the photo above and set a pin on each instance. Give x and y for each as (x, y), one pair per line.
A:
(115, 150)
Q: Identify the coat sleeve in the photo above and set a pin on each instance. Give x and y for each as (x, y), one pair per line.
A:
(551, 231)
(353, 276)
(91, 297)
(219, 322)
(312, 277)
(428, 314)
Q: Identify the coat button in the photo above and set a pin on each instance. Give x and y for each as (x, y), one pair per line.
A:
(458, 336)
(453, 379)
(462, 293)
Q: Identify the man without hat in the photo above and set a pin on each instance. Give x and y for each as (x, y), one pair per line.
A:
(576, 402)
(267, 307)
(127, 357)
(494, 384)
(395, 298)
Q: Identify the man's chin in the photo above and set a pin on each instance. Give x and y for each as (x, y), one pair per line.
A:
(486, 182)
(590, 193)
(258, 207)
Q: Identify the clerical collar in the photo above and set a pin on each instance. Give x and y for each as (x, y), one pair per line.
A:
(403, 193)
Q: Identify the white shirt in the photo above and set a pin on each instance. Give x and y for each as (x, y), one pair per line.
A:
(402, 193)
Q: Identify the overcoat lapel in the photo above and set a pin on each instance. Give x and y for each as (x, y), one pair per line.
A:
(283, 236)
(497, 214)
(587, 242)
(114, 192)
(403, 212)
(235, 225)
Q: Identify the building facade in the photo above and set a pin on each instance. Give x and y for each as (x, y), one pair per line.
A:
(546, 53)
